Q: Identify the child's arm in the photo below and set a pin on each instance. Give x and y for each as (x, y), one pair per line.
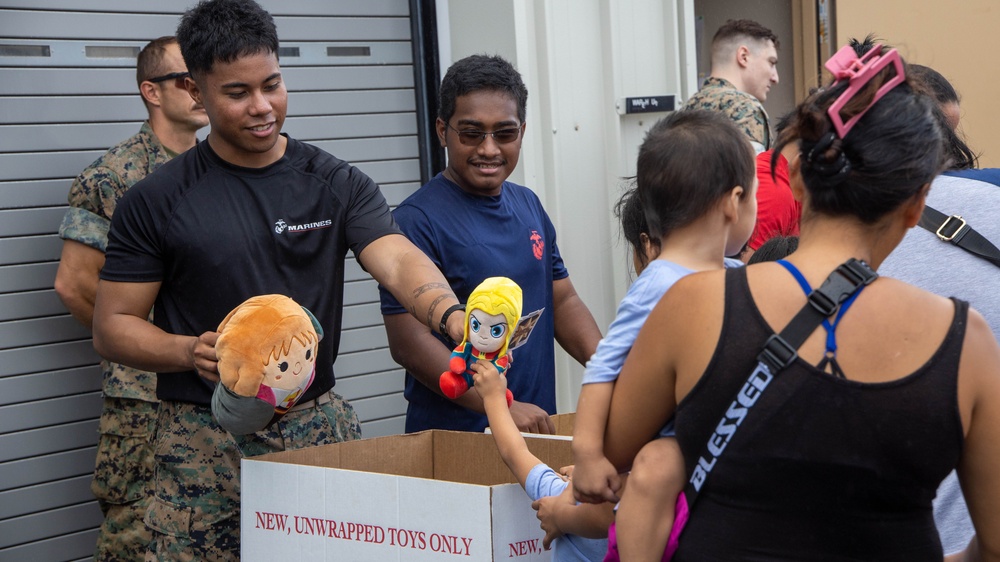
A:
(561, 515)
(492, 387)
(595, 479)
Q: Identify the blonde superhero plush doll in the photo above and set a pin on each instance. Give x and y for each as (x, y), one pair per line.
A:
(267, 359)
(491, 314)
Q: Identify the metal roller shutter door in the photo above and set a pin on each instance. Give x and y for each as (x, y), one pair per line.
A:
(67, 93)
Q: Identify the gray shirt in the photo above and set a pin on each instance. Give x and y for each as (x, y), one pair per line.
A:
(942, 268)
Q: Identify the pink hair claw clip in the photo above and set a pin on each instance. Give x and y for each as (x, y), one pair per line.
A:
(845, 65)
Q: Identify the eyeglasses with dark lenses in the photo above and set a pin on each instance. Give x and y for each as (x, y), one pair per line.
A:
(472, 137)
(177, 77)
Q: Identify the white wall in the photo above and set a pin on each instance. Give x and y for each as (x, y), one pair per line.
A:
(578, 57)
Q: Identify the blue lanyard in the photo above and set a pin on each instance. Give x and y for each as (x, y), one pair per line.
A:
(831, 335)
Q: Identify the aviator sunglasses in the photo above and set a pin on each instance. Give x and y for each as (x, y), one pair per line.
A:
(472, 137)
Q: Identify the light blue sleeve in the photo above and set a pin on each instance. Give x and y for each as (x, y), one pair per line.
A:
(606, 363)
(543, 482)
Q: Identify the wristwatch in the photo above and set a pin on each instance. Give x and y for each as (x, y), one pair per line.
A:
(443, 326)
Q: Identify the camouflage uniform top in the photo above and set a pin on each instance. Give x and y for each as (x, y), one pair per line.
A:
(92, 200)
(745, 110)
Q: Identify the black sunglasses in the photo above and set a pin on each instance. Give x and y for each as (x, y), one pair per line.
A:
(472, 137)
(177, 77)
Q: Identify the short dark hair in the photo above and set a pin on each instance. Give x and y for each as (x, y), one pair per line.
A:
(223, 31)
(481, 72)
(938, 85)
(734, 29)
(884, 160)
(674, 190)
(149, 63)
(774, 249)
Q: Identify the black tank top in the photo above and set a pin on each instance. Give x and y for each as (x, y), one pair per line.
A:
(822, 468)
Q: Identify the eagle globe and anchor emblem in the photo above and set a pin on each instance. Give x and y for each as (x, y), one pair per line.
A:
(280, 226)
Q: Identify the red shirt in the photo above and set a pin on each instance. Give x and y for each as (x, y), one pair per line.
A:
(777, 211)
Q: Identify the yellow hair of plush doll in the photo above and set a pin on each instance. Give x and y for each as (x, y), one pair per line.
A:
(267, 355)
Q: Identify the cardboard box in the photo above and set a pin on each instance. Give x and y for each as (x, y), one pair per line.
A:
(564, 423)
(434, 495)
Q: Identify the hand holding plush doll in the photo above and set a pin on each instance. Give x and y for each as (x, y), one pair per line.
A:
(267, 359)
(493, 310)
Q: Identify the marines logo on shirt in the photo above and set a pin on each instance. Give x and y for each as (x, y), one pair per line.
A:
(537, 245)
(281, 226)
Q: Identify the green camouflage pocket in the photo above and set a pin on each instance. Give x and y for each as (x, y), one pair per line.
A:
(168, 518)
(123, 470)
(190, 500)
(187, 533)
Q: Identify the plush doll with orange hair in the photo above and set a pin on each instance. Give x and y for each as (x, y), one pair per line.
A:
(267, 359)
(491, 314)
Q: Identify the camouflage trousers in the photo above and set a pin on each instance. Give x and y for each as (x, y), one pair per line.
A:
(122, 477)
(195, 511)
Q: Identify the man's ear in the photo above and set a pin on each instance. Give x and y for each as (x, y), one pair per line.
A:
(150, 93)
(442, 130)
(743, 56)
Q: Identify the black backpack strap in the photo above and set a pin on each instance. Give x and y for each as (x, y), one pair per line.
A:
(779, 351)
(956, 230)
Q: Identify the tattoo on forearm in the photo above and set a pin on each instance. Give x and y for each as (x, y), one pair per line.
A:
(432, 308)
(429, 286)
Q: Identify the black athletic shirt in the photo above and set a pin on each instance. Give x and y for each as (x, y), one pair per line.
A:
(216, 234)
(821, 468)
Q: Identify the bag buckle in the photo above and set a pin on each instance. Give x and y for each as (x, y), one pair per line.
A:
(839, 285)
(777, 353)
(943, 233)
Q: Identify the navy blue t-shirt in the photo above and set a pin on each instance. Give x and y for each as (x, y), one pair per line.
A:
(470, 238)
(215, 234)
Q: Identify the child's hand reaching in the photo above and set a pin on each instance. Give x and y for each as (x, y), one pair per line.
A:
(548, 509)
(489, 382)
(595, 480)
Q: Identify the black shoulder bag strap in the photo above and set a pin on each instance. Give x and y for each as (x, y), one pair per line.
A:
(779, 352)
(954, 229)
